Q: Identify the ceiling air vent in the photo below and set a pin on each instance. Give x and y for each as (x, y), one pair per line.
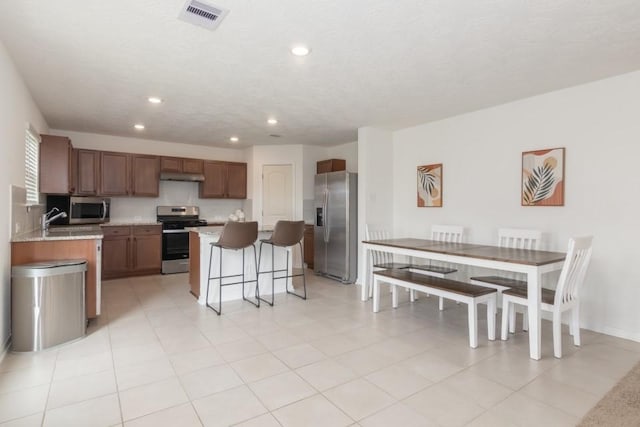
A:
(202, 14)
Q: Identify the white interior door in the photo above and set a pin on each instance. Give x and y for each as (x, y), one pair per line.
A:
(277, 194)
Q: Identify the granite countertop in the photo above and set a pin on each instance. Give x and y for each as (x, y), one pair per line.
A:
(62, 233)
(210, 230)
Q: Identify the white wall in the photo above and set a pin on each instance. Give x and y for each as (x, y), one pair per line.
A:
(16, 110)
(375, 182)
(348, 152)
(171, 193)
(481, 152)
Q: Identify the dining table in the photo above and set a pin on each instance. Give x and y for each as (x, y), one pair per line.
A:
(532, 263)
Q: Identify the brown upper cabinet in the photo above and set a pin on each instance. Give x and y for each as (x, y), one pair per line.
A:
(56, 165)
(224, 180)
(145, 175)
(331, 165)
(87, 164)
(181, 165)
(124, 174)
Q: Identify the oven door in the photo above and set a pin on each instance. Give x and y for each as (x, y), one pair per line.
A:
(175, 244)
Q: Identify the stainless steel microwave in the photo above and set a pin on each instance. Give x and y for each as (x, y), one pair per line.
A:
(80, 210)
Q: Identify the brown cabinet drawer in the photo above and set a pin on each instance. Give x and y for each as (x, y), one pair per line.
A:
(116, 230)
(147, 230)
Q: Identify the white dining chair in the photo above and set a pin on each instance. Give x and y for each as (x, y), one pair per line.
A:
(564, 298)
(517, 239)
(441, 233)
(380, 260)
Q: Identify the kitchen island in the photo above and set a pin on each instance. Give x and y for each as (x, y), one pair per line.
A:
(81, 242)
(200, 239)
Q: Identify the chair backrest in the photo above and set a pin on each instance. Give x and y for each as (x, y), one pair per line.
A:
(287, 233)
(519, 239)
(447, 233)
(378, 257)
(238, 235)
(574, 270)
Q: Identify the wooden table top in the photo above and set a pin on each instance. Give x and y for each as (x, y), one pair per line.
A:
(494, 253)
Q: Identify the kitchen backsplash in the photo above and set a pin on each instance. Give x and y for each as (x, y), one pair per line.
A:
(23, 218)
(176, 193)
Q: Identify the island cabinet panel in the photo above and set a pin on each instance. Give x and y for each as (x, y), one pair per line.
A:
(131, 250)
(194, 263)
(56, 165)
(115, 179)
(87, 175)
(214, 185)
(145, 173)
(224, 180)
(28, 252)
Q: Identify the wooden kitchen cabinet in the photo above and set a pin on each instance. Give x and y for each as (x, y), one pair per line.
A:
(131, 250)
(331, 165)
(145, 175)
(147, 249)
(56, 165)
(124, 174)
(308, 245)
(87, 177)
(115, 177)
(224, 180)
(181, 165)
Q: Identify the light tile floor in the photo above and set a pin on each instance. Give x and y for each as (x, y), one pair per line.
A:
(157, 358)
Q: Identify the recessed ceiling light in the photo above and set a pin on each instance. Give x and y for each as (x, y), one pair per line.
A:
(155, 100)
(272, 121)
(300, 50)
(139, 126)
(234, 139)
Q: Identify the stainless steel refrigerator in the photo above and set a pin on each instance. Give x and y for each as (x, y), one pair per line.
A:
(336, 226)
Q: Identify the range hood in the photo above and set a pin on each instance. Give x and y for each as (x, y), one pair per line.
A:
(176, 176)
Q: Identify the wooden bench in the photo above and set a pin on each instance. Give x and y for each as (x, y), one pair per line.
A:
(472, 295)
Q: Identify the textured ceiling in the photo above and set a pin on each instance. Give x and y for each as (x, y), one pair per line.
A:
(91, 64)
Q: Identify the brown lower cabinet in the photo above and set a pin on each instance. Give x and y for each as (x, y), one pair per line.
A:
(308, 245)
(131, 250)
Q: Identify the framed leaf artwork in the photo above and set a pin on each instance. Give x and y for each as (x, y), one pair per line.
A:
(430, 186)
(543, 177)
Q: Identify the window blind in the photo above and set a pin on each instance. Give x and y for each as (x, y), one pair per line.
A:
(31, 167)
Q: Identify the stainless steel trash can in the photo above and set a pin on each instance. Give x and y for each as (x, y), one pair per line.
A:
(47, 304)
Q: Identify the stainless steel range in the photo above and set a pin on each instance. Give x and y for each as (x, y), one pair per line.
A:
(175, 239)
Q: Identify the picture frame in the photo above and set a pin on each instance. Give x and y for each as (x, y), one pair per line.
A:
(429, 186)
(543, 177)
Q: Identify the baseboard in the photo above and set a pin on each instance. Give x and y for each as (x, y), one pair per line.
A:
(614, 332)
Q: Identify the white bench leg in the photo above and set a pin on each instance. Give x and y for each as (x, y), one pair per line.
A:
(512, 319)
(506, 307)
(441, 303)
(557, 334)
(412, 295)
(376, 294)
(491, 317)
(394, 296)
(472, 310)
(525, 320)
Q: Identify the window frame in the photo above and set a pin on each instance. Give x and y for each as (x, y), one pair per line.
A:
(32, 166)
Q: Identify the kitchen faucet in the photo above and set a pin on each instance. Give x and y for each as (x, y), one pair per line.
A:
(45, 220)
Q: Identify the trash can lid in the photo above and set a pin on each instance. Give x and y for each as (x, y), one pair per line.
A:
(50, 264)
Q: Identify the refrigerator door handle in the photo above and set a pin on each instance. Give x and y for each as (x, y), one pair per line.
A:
(325, 216)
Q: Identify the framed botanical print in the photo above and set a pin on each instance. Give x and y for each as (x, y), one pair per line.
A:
(430, 186)
(543, 177)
